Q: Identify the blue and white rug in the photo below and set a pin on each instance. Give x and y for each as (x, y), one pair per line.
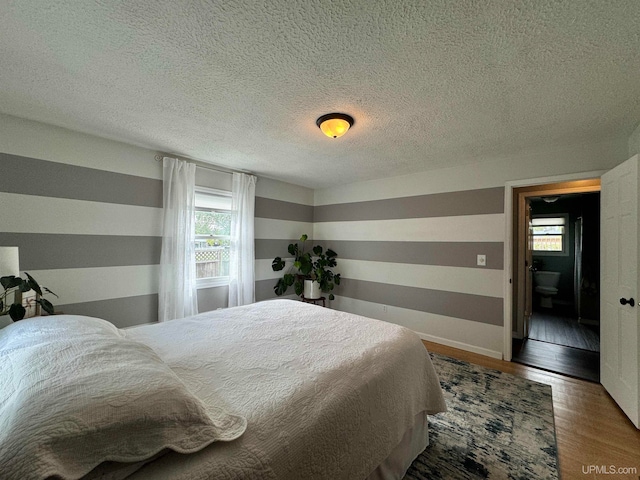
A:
(498, 426)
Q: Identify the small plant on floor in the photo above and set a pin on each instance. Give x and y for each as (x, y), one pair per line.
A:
(12, 285)
(307, 266)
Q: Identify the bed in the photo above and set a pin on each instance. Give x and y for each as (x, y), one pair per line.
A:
(288, 390)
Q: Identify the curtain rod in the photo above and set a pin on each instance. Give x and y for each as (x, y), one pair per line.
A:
(199, 163)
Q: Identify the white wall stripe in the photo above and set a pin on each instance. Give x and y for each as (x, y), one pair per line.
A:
(47, 142)
(464, 334)
(79, 285)
(286, 192)
(265, 272)
(464, 228)
(452, 279)
(62, 215)
(268, 228)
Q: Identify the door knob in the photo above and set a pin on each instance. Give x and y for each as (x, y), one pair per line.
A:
(624, 301)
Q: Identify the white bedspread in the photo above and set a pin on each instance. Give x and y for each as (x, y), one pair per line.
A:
(326, 394)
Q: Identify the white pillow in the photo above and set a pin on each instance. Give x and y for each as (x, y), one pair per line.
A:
(45, 329)
(75, 393)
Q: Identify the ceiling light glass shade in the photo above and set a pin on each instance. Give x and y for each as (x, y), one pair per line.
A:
(334, 125)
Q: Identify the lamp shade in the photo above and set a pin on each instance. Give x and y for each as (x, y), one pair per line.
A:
(335, 125)
(9, 261)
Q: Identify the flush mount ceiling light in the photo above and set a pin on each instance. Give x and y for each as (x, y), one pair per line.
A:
(550, 199)
(335, 125)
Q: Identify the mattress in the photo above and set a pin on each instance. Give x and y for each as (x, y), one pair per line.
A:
(326, 394)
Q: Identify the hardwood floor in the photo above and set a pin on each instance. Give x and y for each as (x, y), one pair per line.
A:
(570, 361)
(558, 343)
(591, 431)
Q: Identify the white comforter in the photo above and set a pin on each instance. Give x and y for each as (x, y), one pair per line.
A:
(326, 394)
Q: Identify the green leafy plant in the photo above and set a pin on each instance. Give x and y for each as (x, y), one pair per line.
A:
(13, 284)
(315, 265)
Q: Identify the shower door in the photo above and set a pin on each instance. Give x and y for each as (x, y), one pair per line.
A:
(528, 311)
(577, 269)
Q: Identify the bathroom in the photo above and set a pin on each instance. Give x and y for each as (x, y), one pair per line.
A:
(566, 309)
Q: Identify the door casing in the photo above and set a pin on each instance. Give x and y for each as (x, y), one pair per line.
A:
(572, 183)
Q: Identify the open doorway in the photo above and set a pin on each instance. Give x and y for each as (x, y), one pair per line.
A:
(556, 268)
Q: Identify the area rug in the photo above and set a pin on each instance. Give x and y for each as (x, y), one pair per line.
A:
(498, 426)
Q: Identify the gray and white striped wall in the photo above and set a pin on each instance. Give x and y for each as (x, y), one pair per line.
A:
(408, 245)
(86, 213)
(412, 260)
(90, 235)
(283, 214)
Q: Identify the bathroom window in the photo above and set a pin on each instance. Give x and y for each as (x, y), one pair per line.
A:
(550, 234)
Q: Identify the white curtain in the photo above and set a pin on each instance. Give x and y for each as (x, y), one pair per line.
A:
(241, 265)
(177, 292)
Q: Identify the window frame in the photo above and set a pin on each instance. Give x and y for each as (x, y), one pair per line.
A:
(209, 282)
(565, 236)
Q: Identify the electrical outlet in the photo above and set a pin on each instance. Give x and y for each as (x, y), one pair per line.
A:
(482, 260)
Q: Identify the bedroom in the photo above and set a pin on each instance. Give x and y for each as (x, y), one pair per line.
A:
(94, 237)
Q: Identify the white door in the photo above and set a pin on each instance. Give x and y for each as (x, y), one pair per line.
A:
(619, 281)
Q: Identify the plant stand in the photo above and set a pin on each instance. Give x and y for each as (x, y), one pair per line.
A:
(315, 300)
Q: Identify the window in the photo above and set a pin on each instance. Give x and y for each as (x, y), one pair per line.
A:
(212, 236)
(550, 235)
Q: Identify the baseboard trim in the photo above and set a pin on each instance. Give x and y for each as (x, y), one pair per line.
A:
(460, 345)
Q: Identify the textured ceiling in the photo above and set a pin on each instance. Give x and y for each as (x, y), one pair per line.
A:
(240, 83)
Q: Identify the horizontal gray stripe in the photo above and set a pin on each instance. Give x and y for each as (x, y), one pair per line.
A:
(44, 251)
(466, 202)
(280, 210)
(122, 312)
(448, 254)
(213, 298)
(476, 308)
(31, 176)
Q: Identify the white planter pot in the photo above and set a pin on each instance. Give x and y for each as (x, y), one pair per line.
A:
(312, 289)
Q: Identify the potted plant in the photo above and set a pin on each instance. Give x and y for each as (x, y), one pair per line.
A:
(310, 273)
(12, 284)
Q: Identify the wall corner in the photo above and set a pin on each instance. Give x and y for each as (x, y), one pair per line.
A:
(634, 142)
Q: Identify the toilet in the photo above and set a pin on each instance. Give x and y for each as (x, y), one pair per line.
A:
(546, 285)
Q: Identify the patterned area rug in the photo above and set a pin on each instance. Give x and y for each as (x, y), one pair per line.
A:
(498, 426)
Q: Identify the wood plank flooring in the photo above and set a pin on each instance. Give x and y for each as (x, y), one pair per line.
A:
(555, 327)
(570, 361)
(590, 428)
(558, 343)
